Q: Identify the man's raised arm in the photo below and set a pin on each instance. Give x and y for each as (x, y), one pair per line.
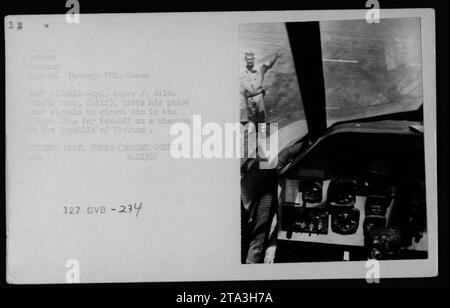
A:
(268, 65)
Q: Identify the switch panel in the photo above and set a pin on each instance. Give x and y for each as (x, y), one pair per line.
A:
(305, 220)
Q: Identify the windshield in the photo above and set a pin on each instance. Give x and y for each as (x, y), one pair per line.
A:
(368, 69)
(371, 69)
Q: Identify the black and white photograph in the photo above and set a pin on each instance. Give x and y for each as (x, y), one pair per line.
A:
(349, 185)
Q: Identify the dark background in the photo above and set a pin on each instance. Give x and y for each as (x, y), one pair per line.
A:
(279, 295)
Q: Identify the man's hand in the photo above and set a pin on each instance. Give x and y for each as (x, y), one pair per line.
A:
(273, 60)
(278, 53)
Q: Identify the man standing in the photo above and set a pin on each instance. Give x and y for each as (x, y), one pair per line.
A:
(252, 89)
(256, 222)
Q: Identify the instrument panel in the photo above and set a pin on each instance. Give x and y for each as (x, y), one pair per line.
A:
(350, 212)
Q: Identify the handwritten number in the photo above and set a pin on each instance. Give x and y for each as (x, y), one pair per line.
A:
(19, 25)
(138, 208)
(130, 208)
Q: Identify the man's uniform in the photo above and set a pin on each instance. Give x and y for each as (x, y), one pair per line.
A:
(251, 81)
